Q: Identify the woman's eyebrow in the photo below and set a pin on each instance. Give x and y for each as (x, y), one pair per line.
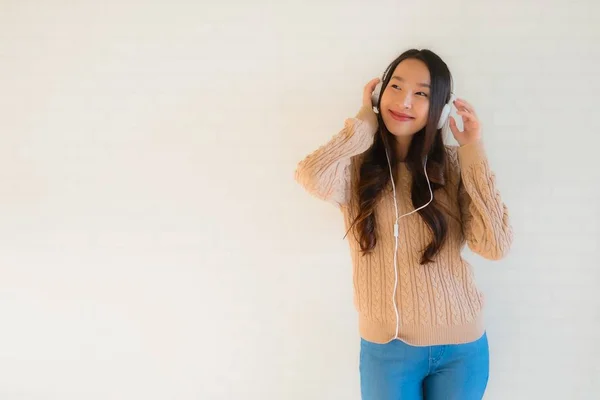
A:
(398, 78)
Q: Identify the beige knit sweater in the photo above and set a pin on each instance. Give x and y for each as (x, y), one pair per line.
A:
(438, 303)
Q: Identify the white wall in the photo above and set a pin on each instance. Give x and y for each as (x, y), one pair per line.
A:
(154, 245)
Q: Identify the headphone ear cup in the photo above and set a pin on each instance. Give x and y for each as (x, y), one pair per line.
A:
(446, 112)
(444, 116)
(375, 96)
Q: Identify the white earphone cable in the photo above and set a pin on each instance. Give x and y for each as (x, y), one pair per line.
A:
(441, 123)
(396, 233)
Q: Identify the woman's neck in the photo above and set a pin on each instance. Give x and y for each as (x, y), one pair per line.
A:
(402, 144)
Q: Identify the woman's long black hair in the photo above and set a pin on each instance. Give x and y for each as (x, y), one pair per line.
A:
(428, 142)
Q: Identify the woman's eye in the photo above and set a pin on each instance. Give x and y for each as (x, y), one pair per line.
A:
(395, 87)
(422, 94)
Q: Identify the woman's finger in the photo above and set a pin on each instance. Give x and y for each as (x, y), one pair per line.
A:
(467, 115)
(464, 104)
(453, 127)
(372, 83)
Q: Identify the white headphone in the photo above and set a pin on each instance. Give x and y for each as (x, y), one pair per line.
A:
(443, 117)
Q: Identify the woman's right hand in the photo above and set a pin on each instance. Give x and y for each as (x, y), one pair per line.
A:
(368, 91)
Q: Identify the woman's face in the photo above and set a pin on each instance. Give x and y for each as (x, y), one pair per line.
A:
(404, 103)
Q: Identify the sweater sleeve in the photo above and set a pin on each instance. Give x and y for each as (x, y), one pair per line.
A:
(325, 173)
(486, 224)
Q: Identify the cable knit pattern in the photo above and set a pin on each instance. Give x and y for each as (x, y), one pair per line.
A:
(438, 303)
(325, 173)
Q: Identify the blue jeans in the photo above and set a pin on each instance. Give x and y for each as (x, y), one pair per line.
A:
(399, 371)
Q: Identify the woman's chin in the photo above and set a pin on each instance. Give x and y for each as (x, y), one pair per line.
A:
(400, 132)
(401, 129)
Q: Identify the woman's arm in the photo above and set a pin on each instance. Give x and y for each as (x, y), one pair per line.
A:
(485, 218)
(325, 173)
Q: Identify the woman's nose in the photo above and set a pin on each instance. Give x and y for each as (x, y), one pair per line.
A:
(406, 100)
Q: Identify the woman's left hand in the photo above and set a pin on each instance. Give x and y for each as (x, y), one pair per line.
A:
(471, 125)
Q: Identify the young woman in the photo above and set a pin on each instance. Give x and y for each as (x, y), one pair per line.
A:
(410, 204)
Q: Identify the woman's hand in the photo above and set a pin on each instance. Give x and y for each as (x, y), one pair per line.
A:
(368, 91)
(471, 124)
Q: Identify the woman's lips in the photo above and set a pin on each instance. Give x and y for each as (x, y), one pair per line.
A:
(400, 117)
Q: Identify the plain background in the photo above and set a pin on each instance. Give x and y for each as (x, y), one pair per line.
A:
(153, 243)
